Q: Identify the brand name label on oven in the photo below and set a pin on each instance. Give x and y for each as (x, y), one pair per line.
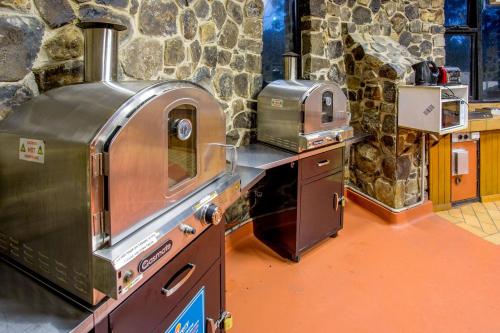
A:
(32, 150)
(277, 103)
(135, 250)
(150, 260)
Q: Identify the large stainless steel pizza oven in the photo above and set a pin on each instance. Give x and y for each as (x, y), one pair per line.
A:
(95, 175)
(301, 115)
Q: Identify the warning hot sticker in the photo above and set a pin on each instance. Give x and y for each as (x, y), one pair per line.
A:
(32, 150)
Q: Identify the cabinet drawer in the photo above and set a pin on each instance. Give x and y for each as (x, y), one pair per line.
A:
(321, 163)
(149, 305)
(211, 282)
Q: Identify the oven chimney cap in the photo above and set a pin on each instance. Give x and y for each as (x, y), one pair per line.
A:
(101, 49)
(101, 24)
(290, 67)
(291, 54)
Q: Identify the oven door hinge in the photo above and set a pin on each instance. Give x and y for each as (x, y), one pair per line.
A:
(100, 164)
(100, 234)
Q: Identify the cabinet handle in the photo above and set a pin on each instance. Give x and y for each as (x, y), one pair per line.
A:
(170, 291)
(323, 163)
(335, 201)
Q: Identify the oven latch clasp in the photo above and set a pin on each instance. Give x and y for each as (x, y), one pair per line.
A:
(225, 322)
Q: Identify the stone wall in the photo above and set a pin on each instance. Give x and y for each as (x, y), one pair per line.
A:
(415, 24)
(388, 167)
(367, 47)
(217, 43)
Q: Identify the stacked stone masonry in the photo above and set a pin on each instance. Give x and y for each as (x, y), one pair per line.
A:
(216, 43)
(367, 47)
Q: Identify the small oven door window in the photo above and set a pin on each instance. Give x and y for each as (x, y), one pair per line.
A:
(451, 114)
(181, 145)
(327, 107)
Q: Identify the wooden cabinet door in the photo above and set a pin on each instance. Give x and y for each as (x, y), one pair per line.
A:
(320, 209)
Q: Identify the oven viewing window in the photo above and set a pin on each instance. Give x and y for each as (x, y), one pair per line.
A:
(181, 145)
(327, 107)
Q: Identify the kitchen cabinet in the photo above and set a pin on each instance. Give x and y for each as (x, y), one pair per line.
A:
(490, 166)
(300, 204)
(321, 210)
(157, 304)
(440, 173)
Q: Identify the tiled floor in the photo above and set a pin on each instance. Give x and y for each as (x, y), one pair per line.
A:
(427, 276)
(481, 219)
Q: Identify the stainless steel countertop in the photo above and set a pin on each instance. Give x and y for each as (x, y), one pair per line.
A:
(263, 156)
(249, 177)
(26, 305)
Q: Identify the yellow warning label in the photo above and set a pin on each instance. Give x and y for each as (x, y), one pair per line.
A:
(32, 150)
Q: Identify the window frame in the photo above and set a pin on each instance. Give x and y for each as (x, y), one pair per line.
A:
(297, 40)
(473, 29)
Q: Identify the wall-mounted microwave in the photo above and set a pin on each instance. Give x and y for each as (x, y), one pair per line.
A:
(435, 109)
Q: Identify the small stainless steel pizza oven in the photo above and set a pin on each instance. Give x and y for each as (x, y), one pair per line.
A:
(301, 115)
(94, 175)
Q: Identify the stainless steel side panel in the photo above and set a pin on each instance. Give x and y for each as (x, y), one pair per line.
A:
(138, 173)
(44, 216)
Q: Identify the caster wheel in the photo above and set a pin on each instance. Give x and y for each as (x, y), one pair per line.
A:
(334, 235)
(296, 259)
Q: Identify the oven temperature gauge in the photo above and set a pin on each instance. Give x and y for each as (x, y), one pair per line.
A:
(183, 129)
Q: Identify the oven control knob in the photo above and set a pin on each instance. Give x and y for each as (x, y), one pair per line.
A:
(187, 229)
(127, 277)
(338, 137)
(212, 214)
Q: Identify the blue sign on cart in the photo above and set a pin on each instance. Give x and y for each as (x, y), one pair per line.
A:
(192, 318)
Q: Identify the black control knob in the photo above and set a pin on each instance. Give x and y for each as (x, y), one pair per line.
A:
(212, 214)
(460, 137)
(466, 137)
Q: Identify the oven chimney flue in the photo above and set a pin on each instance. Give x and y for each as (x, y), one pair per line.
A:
(290, 66)
(101, 50)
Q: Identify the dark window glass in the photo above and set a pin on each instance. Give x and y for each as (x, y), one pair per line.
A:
(491, 51)
(181, 145)
(457, 12)
(459, 54)
(278, 36)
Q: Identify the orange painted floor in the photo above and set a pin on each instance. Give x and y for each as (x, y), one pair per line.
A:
(427, 276)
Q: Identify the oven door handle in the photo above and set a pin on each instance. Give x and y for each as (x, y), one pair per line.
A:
(170, 291)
